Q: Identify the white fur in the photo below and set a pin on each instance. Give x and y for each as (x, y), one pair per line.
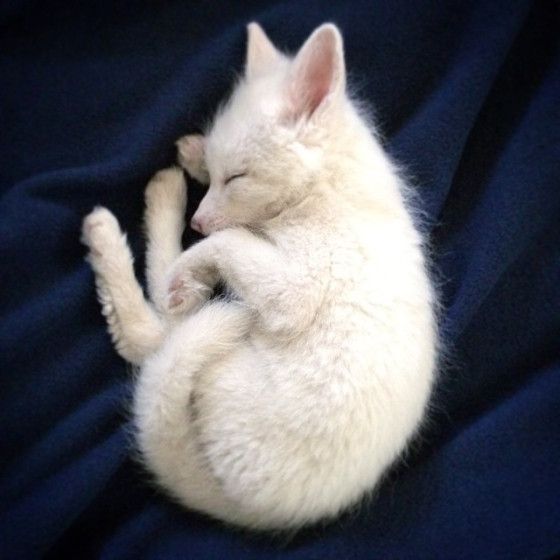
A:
(286, 403)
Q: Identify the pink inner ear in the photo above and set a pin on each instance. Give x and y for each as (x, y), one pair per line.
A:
(315, 74)
(319, 78)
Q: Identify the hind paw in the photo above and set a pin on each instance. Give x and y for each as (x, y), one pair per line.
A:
(100, 231)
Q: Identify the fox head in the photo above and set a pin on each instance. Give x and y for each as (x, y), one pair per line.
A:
(265, 149)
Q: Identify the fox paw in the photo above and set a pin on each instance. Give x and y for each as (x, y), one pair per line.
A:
(190, 155)
(167, 188)
(185, 294)
(100, 231)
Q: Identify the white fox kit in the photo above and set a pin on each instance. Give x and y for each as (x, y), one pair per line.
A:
(285, 403)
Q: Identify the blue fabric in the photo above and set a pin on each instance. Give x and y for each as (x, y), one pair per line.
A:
(467, 95)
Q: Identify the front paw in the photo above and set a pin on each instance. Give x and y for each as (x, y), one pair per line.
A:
(191, 156)
(167, 190)
(185, 294)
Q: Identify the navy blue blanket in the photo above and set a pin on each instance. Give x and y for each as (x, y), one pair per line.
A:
(467, 95)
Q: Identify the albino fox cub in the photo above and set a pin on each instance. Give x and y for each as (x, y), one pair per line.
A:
(285, 403)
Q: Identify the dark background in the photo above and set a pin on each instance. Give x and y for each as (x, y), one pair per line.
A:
(467, 95)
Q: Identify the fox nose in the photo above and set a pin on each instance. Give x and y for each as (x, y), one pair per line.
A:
(195, 224)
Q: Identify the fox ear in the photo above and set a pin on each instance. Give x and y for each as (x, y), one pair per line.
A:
(261, 53)
(318, 75)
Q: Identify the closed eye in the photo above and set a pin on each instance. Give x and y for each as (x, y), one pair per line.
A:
(233, 177)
